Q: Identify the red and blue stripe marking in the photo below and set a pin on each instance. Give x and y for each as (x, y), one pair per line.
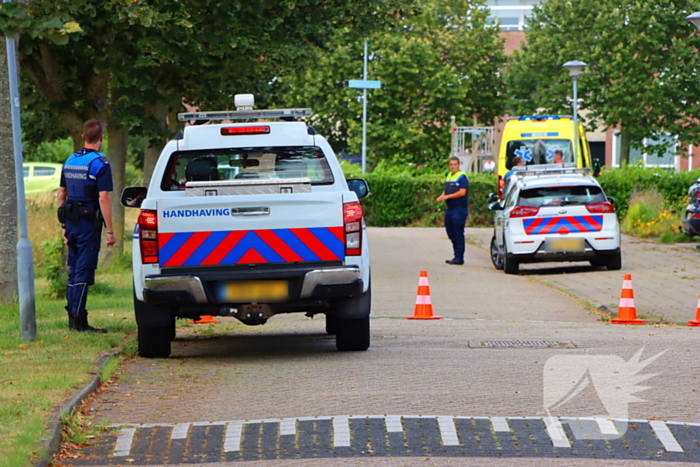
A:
(562, 225)
(251, 246)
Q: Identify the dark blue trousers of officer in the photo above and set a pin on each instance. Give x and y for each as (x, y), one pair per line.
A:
(83, 250)
(455, 220)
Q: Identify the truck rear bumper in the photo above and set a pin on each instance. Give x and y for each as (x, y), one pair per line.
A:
(330, 282)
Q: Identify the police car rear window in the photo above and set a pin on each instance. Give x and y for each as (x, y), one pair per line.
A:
(561, 196)
(279, 162)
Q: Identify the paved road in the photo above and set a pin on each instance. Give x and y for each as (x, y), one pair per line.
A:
(472, 385)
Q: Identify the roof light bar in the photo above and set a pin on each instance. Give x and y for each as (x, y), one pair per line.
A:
(243, 114)
(550, 169)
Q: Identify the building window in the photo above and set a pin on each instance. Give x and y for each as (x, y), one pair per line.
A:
(511, 15)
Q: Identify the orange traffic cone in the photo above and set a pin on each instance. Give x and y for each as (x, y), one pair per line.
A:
(424, 308)
(205, 319)
(626, 312)
(696, 321)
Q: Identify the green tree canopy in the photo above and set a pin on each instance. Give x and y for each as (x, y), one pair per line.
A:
(642, 66)
(432, 66)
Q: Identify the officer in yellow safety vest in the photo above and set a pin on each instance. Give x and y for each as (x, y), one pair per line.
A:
(456, 195)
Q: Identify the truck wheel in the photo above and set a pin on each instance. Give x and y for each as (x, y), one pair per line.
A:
(331, 324)
(510, 265)
(353, 334)
(496, 257)
(154, 342)
(614, 262)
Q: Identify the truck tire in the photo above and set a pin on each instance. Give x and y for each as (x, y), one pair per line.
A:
(331, 324)
(154, 342)
(353, 334)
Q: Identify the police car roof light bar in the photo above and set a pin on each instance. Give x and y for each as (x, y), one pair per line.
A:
(243, 114)
(550, 169)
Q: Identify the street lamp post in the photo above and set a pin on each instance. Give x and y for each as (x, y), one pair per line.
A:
(575, 68)
(695, 19)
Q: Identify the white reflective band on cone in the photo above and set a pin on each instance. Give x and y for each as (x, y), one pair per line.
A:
(627, 302)
(423, 300)
(626, 284)
(422, 280)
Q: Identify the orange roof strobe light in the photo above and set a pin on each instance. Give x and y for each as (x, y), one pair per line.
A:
(424, 307)
(696, 321)
(626, 312)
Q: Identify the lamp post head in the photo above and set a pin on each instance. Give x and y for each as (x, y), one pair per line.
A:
(575, 68)
(695, 19)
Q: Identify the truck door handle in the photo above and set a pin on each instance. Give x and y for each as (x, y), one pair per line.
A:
(262, 211)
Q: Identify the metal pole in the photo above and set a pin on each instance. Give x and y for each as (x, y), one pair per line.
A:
(364, 114)
(25, 263)
(575, 78)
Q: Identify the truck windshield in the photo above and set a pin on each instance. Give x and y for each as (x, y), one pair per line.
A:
(561, 196)
(537, 151)
(279, 162)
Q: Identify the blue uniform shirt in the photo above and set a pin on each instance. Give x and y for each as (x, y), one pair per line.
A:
(84, 175)
(453, 184)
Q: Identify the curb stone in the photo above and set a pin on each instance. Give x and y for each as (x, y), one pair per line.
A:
(53, 442)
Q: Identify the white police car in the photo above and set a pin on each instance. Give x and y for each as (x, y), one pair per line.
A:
(554, 213)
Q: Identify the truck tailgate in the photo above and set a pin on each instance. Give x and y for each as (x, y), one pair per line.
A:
(240, 229)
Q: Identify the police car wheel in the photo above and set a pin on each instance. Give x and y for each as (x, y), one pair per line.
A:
(496, 257)
(510, 265)
(353, 334)
(154, 342)
(614, 262)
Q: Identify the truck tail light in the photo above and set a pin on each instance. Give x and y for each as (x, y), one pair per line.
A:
(246, 130)
(352, 219)
(523, 211)
(148, 235)
(600, 208)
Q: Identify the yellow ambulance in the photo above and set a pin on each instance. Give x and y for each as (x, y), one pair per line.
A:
(535, 138)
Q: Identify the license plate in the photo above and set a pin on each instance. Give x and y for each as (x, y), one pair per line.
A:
(254, 291)
(566, 244)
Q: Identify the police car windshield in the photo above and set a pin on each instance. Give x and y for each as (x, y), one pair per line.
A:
(537, 151)
(561, 196)
(279, 162)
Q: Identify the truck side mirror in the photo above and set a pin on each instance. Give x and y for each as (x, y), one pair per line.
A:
(133, 196)
(359, 186)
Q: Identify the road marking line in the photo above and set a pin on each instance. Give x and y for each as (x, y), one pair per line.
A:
(288, 426)
(556, 432)
(393, 424)
(500, 424)
(341, 431)
(607, 427)
(180, 431)
(123, 445)
(665, 436)
(232, 437)
(448, 431)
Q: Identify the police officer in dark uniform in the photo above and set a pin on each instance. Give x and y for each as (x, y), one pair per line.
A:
(86, 180)
(456, 194)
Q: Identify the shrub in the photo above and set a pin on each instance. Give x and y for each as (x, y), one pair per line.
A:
(648, 215)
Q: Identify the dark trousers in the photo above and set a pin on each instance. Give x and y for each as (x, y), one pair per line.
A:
(455, 220)
(83, 251)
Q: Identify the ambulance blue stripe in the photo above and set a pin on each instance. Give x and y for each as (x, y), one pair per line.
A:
(200, 254)
(173, 246)
(331, 241)
(296, 245)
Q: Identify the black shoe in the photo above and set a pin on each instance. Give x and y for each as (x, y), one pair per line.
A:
(81, 325)
(454, 261)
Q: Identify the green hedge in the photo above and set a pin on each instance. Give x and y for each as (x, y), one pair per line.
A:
(621, 183)
(409, 200)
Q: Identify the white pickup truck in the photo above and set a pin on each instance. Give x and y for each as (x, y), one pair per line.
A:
(249, 220)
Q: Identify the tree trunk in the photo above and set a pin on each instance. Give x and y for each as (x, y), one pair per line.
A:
(8, 202)
(624, 147)
(116, 153)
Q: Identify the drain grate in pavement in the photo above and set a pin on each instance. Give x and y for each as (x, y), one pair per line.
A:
(520, 344)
